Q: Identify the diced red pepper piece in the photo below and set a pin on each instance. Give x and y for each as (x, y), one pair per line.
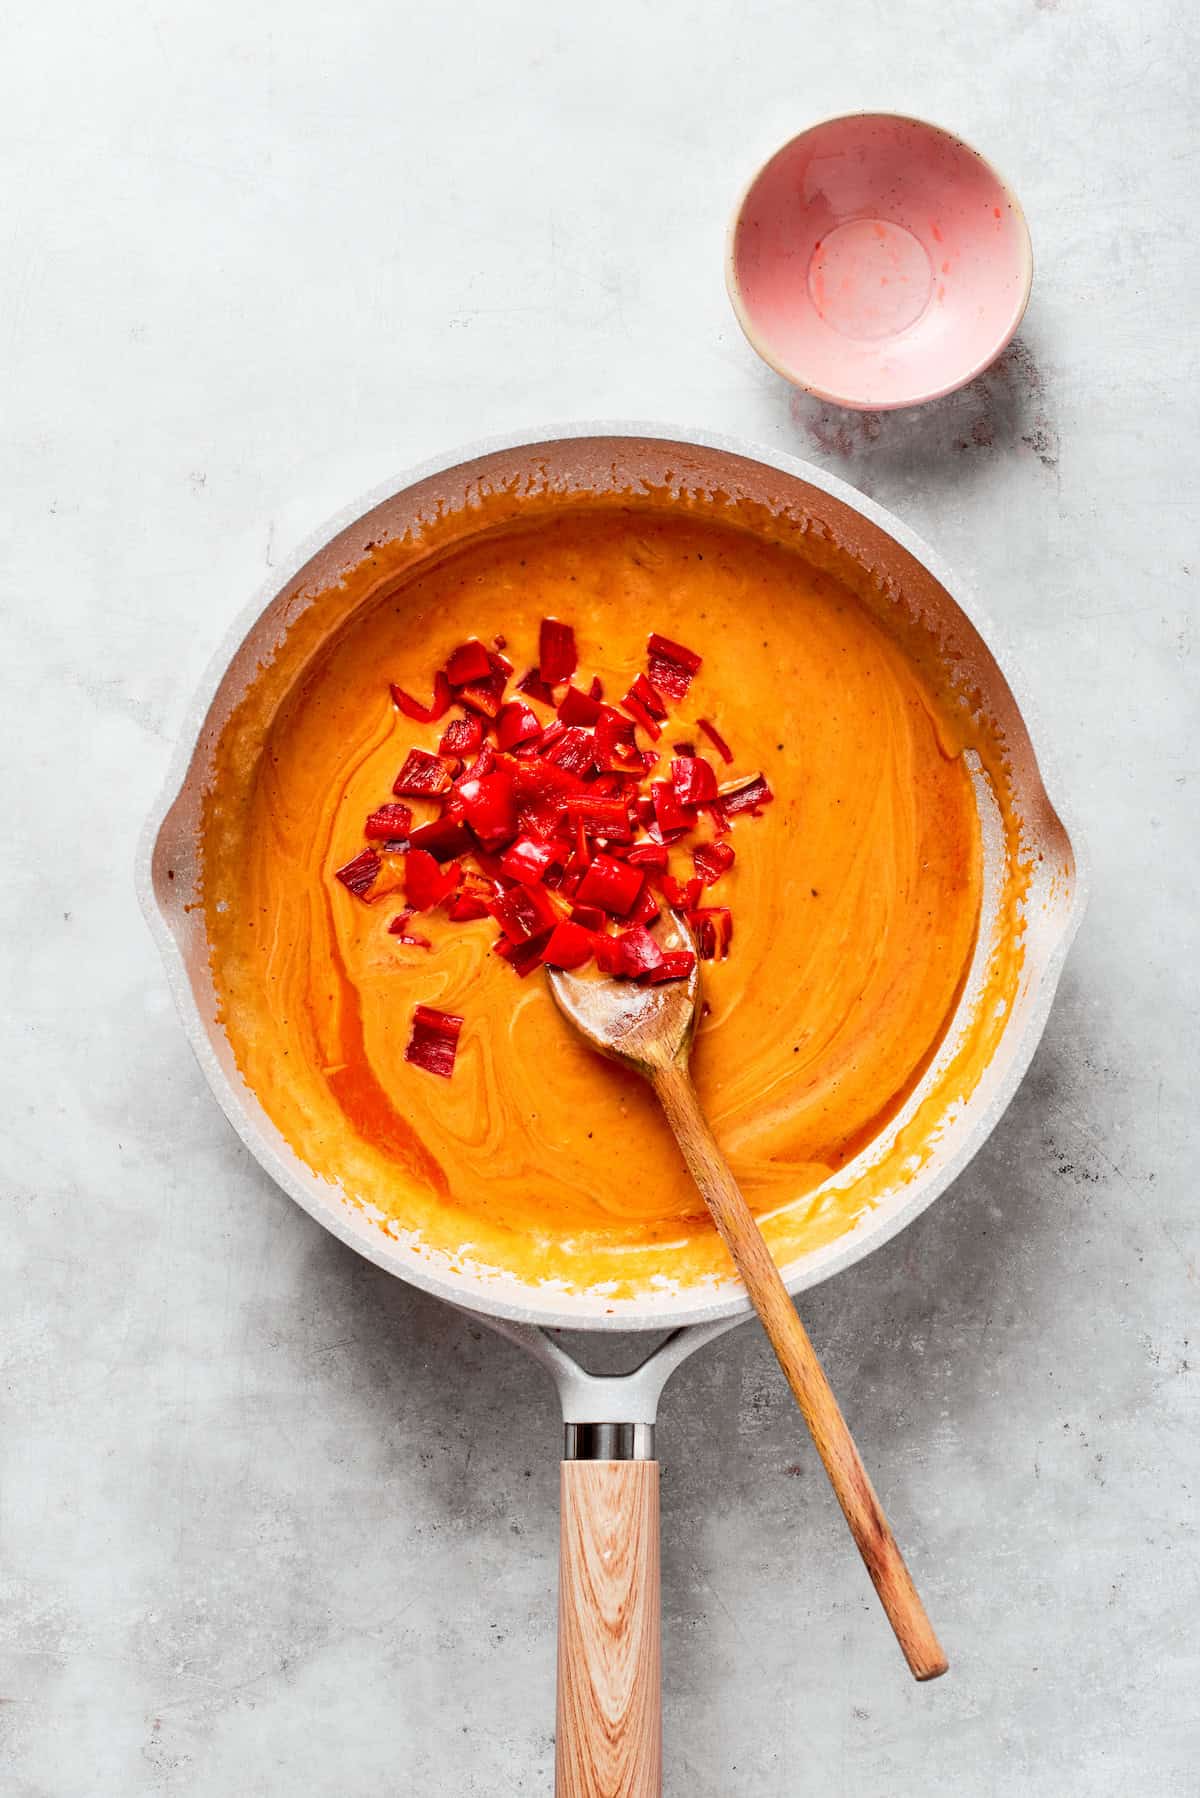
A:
(677, 964)
(645, 908)
(673, 891)
(712, 927)
(462, 736)
(670, 812)
(490, 805)
(533, 684)
(610, 883)
(650, 856)
(426, 883)
(716, 739)
(644, 702)
(607, 950)
(442, 838)
(516, 723)
(579, 708)
(423, 775)
(570, 945)
(694, 780)
(749, 796)
(600, 817)
(469, 662)
(542, 791)
(389, 824)
(523, 957)
(487, 696)
(359, 875)
(616, 745)
(529, 859)
(434, 1041)
(467, 905)
(399, 926)
(671, 666)
(640, 954)
(684, 748)
(483, 764)
(557, 655)
(643, 808)
(572, 747)
(590, 916)
(711, 860)
(425, 714)
(524, 912)
(596, 688)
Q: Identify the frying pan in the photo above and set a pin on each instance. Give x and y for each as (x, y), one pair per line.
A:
(609, 1732)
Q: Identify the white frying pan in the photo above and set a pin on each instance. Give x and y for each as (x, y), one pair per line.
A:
(609, 1734)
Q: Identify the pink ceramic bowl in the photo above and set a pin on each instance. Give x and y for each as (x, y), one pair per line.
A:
(877, 261)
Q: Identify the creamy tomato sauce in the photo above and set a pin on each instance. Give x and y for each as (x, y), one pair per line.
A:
(856, 897)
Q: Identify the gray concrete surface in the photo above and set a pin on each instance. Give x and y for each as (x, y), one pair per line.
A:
(272, 1524)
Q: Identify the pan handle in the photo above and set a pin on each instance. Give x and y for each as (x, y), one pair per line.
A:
(609, 1736)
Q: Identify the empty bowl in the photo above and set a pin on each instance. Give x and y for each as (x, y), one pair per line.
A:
(878, 261)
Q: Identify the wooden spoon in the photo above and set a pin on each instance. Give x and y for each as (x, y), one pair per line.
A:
(650, 1029)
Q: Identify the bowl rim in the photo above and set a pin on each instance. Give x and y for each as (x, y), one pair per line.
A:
(759, 344)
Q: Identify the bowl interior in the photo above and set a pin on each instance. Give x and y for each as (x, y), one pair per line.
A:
(878, 261)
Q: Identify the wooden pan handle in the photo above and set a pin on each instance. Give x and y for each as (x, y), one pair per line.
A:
(609, 1740)
(797, 1357)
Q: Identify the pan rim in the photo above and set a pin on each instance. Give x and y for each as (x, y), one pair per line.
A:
(649, 1311)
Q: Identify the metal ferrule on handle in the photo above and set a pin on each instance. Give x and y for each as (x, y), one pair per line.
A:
(608, 1442)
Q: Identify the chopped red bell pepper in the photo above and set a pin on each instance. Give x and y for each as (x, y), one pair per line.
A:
(670, 812)
(516, 723)
(524, 912)
(610, 883)
(542, 790)
(423, 775)
(490, 805)
(389, 824)
(536, 688)
(590, 916)
(359, 875)
(645, 908)
(522, 957)
(745, 796)
(712, 927)
(694, 780)
(684, 748)
(487, 696)
(469, 662)
(434, 1041)
(576, 707)
(569, 946)
(426, 882)
(596, 688)
(557, 655)
(616, 744)
(399, 926)
(650, 856)
(528, 860)
(677, 964)
(467, 905)
(425, 714)
(572, 748)
(640, 954)
(462, 736)
(644, 702)
(443, 837)
(716, 739)
(483, 764)
(600, 817)
(671, 666)
(711, 860)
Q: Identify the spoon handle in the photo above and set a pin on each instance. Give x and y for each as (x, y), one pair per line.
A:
(797, 1357)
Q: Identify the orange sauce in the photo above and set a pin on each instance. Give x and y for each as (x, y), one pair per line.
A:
(856, 899)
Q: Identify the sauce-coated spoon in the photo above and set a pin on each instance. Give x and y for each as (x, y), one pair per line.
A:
(650, 1029)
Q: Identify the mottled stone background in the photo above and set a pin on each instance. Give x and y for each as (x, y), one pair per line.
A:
(271, 1523)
